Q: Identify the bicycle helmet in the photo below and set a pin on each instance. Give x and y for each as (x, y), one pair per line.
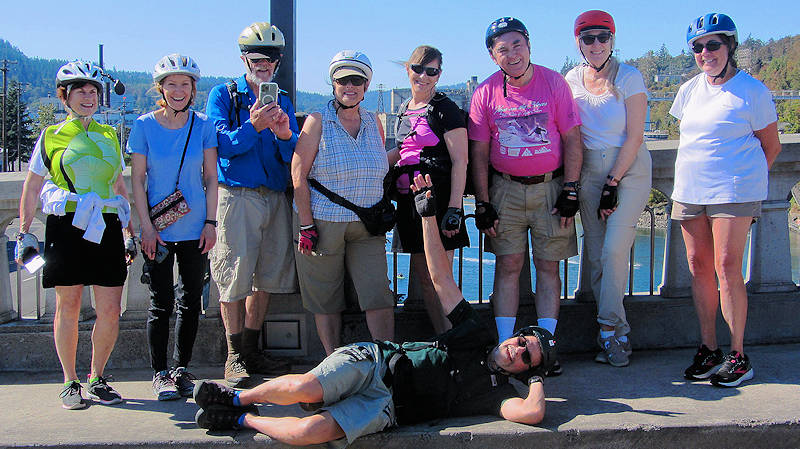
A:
(175, 64)
(350, 62)
(711, 23)
(547, 344)
(260, 35)
(594, 19)
(80, 71)
(504, 25)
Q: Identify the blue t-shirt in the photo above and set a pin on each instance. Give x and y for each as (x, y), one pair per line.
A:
(163, 148)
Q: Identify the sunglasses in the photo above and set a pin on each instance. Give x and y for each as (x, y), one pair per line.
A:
(588, 39)
(430, 71)
(355, 80)
(710, 46)
(263, 59)
(526, 356)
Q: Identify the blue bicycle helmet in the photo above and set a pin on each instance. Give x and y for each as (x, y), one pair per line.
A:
(504, 25)
(711, 23)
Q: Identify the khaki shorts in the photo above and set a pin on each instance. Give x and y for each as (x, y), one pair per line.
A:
(686, 211)
(343, 247)
(527, 207)
(353, 391)
(254, 243)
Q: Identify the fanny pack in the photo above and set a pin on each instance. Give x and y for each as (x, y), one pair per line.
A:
(174, 206)
(378, 219)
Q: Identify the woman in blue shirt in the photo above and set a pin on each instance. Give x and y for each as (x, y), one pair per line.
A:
(174, 147)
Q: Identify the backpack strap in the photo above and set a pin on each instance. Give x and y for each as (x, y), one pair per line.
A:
(236, 103)
(334, 197)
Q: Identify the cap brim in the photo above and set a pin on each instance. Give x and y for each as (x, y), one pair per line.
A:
(348, 71)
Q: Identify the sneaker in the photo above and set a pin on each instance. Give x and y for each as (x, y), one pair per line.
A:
(626, 346)
(556, 370)
(236, 374)
(100, 391)
(184, 381)
(222, 417)
(71, 398)
(734, 370)
(706, 362)
(257, 362)
(164, 387)
(207, 393)
(613, 353)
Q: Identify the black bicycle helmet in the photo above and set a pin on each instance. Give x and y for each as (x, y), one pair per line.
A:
(504, 25)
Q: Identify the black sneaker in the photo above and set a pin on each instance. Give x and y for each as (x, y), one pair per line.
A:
(164, 387)
(222, 417)
(556, 370)
(734, 370)
(184, 381)
(71, 398)
(100, 391)
(207, 393)
(706, 362)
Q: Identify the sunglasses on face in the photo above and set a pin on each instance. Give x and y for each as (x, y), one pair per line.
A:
(263, 59)
(430, 71)
(526, 356)
(588, 39)
(710, 45)
(354, 80)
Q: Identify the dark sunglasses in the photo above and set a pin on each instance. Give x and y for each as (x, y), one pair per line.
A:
(355, 80)
(265, 58)
(710, 45)
(430, 71)
(526, 356)
(588, 39)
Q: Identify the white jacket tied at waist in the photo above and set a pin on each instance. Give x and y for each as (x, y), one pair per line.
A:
(89, 210)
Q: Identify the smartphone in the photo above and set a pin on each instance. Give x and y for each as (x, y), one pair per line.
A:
(267, 92)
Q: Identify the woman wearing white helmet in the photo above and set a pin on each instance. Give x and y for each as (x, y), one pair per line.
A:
(84, 161)
(342, 147)
(174, 149)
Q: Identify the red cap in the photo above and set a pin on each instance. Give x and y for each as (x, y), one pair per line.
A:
(594, 19)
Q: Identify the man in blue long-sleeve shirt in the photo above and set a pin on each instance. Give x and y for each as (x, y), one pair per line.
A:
(254, 253)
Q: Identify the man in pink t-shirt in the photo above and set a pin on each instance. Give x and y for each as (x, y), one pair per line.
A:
(524, 123)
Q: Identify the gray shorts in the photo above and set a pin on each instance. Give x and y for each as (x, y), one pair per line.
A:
(686, 211)
(353, 390)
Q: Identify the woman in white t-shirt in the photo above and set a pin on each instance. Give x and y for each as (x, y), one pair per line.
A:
(616, 173)
(729, 139)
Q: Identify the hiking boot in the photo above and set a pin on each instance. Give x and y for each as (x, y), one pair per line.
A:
(100, 391)
(556, 370)
(164, 387)
(706, 362)
(257, 362)
(71, 398)
(613, 353)
(184, 381)
(207, 393)
(236, 374)
(734, 370)
(222, 417)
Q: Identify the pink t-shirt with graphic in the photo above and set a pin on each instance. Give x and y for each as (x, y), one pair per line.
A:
(524, 129)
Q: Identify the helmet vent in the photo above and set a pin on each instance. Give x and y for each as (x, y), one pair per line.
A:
(714, 19)
(700, 23)
(258, 35)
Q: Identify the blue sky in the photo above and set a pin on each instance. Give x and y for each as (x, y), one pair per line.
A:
(136, 34)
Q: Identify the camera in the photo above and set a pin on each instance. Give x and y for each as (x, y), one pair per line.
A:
(161, 254)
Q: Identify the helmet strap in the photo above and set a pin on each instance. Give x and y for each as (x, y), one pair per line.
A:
(602, 66)
(176, 111)
(506, 76)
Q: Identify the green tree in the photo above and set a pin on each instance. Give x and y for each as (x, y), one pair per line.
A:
(19, 134)
(569, 63)
(45, 116)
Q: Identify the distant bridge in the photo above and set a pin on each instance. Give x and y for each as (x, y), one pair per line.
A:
(776, 95)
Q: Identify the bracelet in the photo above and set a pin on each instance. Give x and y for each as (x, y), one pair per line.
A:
(610, 178)
(574, 184)
(533, 379)
(211, 222)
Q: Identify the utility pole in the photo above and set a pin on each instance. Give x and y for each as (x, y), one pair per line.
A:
(19, 134)
(4, 69)
(282, 13)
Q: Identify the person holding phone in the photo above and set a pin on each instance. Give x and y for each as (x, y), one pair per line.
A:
(175, 146)
(254, 253)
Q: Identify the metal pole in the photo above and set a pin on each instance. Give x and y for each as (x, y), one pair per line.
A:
(19, 132)
(282, 14)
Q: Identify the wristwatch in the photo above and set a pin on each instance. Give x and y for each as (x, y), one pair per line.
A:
(211, 222)
(534, 379)
(574, 184)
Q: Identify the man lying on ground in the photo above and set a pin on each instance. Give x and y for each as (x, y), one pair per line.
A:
(364, 388)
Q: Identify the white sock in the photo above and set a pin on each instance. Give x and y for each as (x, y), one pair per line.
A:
(622, 338)
(548, 323)
(505, 327)
(606, 334)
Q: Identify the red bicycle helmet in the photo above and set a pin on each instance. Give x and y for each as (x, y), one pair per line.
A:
(594, 19)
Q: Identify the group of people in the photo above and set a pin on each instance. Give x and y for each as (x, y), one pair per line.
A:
(540, 148)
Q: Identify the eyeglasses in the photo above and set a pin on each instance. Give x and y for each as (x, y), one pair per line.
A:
(263, 59)
(526, 356)
(430, 71)
(588, 39)
(355, 80)
(710, 46)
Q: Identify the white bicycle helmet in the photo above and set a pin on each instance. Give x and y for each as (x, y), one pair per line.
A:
(260, 35)
(175, 64)
(350, 62)
(77, 71)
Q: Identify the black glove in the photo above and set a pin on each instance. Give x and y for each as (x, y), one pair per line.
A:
(567, 203)
(608, 198)
(485, 215)
(426, 207)
(452, 219)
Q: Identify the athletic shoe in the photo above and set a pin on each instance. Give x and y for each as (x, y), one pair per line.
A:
(184, 381)
(207, 393)
(236, 374)
(626, 346)
(222, 417)
(100, 391)
(735, 370)
(613, 353)
(257, 362)
(556, 370)
(164, 387)
(71, 398)
(706, 362)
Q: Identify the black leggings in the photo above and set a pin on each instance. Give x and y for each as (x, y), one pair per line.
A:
(191, 268)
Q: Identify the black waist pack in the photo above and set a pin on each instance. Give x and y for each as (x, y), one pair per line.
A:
(378, 219)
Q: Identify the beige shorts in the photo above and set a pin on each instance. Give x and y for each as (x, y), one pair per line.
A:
(686, 211)
(254, 243)
(526, 208)
(344, 247)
